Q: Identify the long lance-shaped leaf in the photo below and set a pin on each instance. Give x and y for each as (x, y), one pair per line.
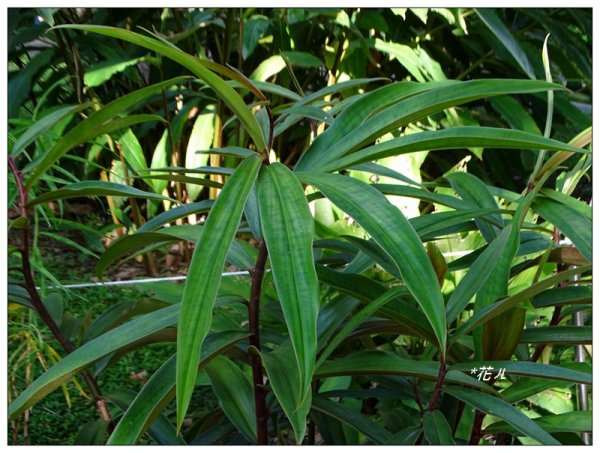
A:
(285, 382)
(386, 363)
(452, 138)
(356, 320)
(504, 35)
(500, 307)
(474, 191)
(572, 223)
(502, 249)
(41, 126)
(538, 370)
(498, 408)
(161, 430)
(356, 114)
(234, 393)
(176, 213)
(288, 235)
(558, 335)
(204, 277)
(436, 428)
(127, 246)
(367, 290)
(570, 422)
(195, 65)
(390, 229)
(91, 352)
(160, 390)
(417, 107)
(91, 127)
(355, 419)
(95, 189)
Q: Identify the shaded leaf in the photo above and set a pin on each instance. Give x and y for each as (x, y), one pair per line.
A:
(354, 419)
(234, 393)
(94, 189)
(436, 428)
(390, 229)
(498, 408)
(288, 235)
(204, 277)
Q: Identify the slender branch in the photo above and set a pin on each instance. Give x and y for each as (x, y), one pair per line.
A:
(438, 386)
(415, 390)
(254, 321)
(477, 433)
(36, 300)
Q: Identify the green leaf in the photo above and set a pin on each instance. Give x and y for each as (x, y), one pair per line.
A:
(176, 213)
(286, 384)
(387, 363)
(571, 222)
(390, 229)
(159, 159)
(94, 189)
(254, 29)
(160, 390)
(558, 335)
(570, 422)
(356, 320)
(526, 387)
(288, 235)
(132, 151)
(195, 65)
(43, 125)
(498, 408)
(267, 68)
(95, 125)
(204, 277)
(500, 307)
(501, 250)
(161, 430)
(99, 73)
(201, 138)
(90, 352)
(234, 393)
(421, 194)
(508, 40)
(562, 296)
(92, 433)
(368, 290)
(436, 428)
(252, 213)
(355, 115)
(571, 202)
(127, 244)
(413, 108)
(427, 225)
(537, 370)
(356, 420)
(475, 193)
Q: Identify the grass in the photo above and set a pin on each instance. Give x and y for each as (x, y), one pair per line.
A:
(52, 421)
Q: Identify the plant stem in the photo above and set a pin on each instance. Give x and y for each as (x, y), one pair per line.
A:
(36, 300)
(438, 386)
(254, 320)
(476, 434)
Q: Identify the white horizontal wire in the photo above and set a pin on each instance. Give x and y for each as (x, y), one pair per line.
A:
(177, 277)
(135, 282)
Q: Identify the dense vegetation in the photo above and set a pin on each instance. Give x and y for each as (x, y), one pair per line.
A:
(399, 199)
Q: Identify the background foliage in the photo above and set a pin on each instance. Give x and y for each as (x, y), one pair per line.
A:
(409, 190)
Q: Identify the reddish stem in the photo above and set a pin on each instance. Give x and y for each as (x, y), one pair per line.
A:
(254, 320)
(36, 300)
